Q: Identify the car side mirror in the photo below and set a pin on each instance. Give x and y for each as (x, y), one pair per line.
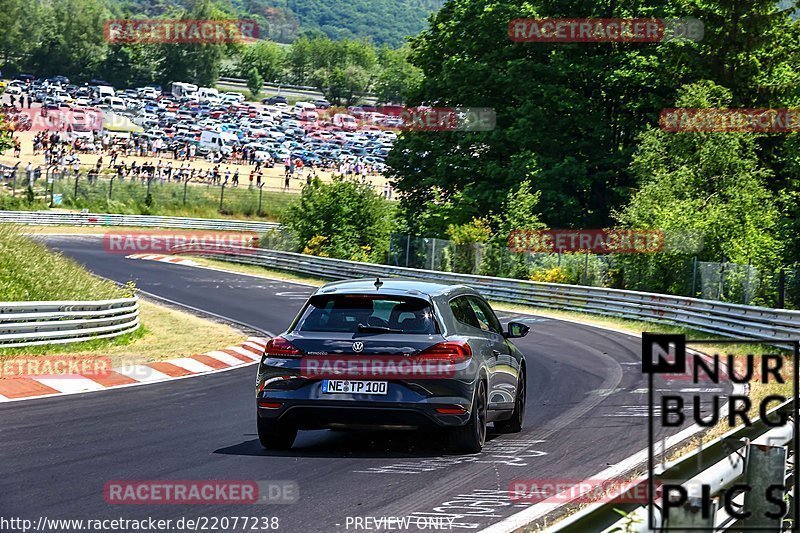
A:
(516, 330)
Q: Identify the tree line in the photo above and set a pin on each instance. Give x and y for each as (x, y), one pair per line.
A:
(66, 37)
(579, 123)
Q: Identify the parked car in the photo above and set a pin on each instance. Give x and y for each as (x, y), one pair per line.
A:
(277, 99)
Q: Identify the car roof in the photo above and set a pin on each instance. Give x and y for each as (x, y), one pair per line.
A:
(393, 286)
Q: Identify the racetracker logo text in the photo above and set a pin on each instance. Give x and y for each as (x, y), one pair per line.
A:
(597, 30)
(380, 367)
(168, 242)
(200, 492)
(178, 31)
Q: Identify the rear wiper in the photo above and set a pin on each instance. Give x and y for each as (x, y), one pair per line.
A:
(377, 329)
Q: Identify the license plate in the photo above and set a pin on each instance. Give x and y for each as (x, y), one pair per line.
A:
(352, 386)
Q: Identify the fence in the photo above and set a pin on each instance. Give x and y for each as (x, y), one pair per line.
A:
(679, 274)
(62, 188)
(50, 218)
(726, 319)
(757, 455)
(37, 323)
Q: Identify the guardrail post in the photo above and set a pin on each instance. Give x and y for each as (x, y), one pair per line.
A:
(221, 196)
(14, 183)
(77, 175)
(260, 192)
(781, 288)
(690, 516)
(110, 187)
(185, 185)
(586, 269)
(766, 467)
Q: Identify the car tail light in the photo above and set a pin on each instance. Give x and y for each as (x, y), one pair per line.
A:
(451, 410)
(264, 404)
(452, 352)
(280, 347)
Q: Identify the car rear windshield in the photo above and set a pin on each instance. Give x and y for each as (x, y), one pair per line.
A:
(352, 313)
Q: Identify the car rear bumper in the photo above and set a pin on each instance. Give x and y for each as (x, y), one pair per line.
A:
(326, 414)
(406, 405)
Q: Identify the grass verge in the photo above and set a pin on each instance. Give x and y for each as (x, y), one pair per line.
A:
(29, 271)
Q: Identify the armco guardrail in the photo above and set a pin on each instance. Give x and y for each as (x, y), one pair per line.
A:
(757, 456)
(298, 89)
(729, 320)
(60, 218)
(37, 323)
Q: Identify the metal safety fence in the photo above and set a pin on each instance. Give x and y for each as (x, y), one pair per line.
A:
(45, 322)
(730, 320)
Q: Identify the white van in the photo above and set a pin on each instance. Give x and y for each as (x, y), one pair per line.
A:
(207, 92)
(303, 107)
(117, 105)
(345, 121)
(219, 141)
(180, 89)
(104, 91)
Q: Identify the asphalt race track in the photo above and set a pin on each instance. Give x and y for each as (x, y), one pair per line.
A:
(586, 411)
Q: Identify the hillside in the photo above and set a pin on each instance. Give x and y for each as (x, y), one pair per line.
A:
(382, 21)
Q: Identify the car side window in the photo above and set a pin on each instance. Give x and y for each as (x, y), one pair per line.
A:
(486, 317)
(463, 312)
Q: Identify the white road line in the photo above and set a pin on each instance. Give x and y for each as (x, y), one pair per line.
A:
(192, 365)
(223, 357)
(68, 383)
(142, 373)
(246, 353)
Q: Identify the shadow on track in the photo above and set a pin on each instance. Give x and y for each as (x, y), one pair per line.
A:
(354, 444)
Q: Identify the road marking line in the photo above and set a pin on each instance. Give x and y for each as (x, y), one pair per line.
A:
(245, 352)
(68, 383)
(225, 358)
(192, 365)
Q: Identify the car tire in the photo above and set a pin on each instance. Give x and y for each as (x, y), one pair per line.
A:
(514, 424)
(471, 437)
(274, 435)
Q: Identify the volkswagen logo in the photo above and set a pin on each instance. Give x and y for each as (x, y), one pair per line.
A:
(358, 346)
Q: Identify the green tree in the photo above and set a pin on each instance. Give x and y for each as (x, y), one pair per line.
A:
(570, 112)
(196, 63)
(397, 78)
(265, 56)
(343, 219)
(72, 40)
(254, 82)
(707, 185)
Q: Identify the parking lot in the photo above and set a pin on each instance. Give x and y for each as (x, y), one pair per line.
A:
(202, 129)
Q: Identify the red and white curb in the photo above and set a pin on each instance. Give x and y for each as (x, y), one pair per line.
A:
(29, 387)
(163, 258)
